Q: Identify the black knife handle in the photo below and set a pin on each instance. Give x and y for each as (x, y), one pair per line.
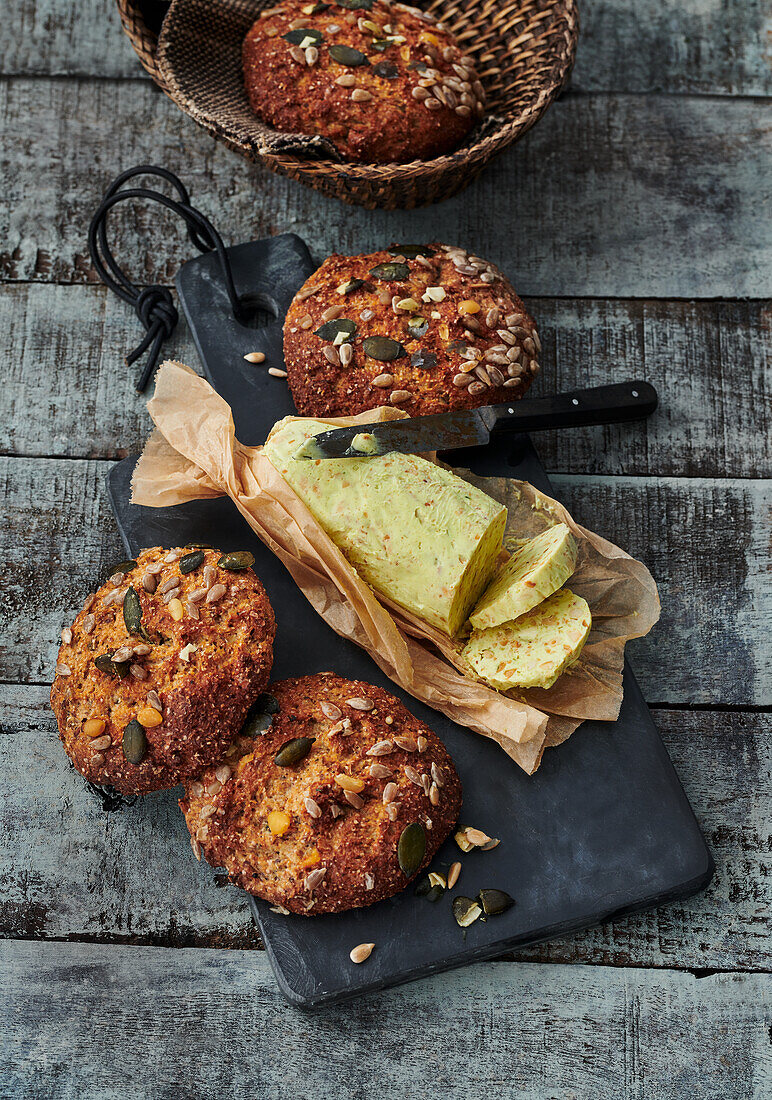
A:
(599, 405)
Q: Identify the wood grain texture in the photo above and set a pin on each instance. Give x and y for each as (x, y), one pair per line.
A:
(614, 195)
(705, 540)
(183, 1023)
(131, 876)
(67, 392)
(699, 46)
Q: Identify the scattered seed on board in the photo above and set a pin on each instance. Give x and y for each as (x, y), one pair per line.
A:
(255, 357)
(453, 873)
(361, 952)
(277, 372)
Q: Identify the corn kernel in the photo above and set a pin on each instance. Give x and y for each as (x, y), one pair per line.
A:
(149, 717)
(244, 761)
(469, 306)
(175, 609)
(427, 36)
(350, 783)
(93, 727)
(278, 822)
(311, 859)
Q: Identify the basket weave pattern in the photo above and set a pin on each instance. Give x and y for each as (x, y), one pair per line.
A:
(523, 50)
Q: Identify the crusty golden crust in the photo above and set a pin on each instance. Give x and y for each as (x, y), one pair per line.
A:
(203, 699)
(350, 848)
(462, 360)
(414, 96)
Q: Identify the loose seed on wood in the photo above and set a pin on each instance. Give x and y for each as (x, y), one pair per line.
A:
(255, 357)
(466, 911)
(277, 372)
(453, 873)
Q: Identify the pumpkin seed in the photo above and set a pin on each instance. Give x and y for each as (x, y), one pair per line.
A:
(381, 44)
(411, 848)
(494, 902)
(122, 567)
(423, 887)
(435, 893)
(412, 250)
(466, 911)
(332, 329)
(390, 272)
(317, 9)
(238, 561)
(424, 360)
(134, 742)
(350, 286)
(267, 703)
(192, 561)
(386, 69)
(132, 611)
(200, 546)
(356, 5)
(300, 34)
(105, 663)
(347, 55)
(418, 327)
(383, 348)
(292, 752)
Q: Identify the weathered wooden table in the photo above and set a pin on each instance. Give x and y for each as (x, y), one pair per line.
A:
(636, 220)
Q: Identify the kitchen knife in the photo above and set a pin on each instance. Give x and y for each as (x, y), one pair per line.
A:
(474, 427)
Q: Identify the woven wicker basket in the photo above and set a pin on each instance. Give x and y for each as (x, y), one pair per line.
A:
(524, 51)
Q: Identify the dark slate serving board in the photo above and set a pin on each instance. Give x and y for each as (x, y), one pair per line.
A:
(602, 829)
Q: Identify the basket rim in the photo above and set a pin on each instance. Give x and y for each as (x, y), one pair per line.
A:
(146, 45)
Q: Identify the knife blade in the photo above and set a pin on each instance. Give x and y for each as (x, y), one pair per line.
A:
(620, 402)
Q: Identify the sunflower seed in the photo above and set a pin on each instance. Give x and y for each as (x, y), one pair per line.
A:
(361, 95)
(461, 380)
(306, 322)
(420, 93)
(66, 635)
(329, 710)
(89, 602)
(297, 55)
(433, 104)
(312, 807)
(346, 80)
(154, 700)
(358, 703)
(422, 743)
(196, 848)
(496, 377)
(103, 742)
(482, 374)
(88, 624)
(307, 292)
(192, 609)
(390, 792)
(215, 593)
(341, 727)
(168, 585)
(477, 837)
(123, 653)
(346, 353)
(277, 372)
(507, 336)
(383, 381)
(514, 354)
(477, 387)
(437, 775)
(331, 355)
(453, 872)
(406, 743)
(399, 397)
(98, 759)
(213, 789)
(313, 878)
(62, 669)
(361, 952)
(335, 810)
(149, 582)
(381, 748)
(366, 315)
(412, 775)
(369, 882)
(197, 595)
(172, 556)
(392, 810)
(379, 771)
(172, 594)
(138, 672)
(311, 55)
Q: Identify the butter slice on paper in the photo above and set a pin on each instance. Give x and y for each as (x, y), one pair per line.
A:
(534, 650)
(415, 532)
(539, 568)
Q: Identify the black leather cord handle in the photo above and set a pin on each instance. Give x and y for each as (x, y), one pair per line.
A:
(153, 305)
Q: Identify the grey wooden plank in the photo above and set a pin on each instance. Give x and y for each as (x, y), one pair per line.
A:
(67, 871)
(94, 1021)
(697, 47)
(705, 540)
(66, 391)
(622, 196)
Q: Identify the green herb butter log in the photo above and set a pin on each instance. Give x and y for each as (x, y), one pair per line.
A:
(414, 531)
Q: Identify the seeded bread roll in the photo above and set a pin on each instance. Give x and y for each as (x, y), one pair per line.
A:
(312, 815)
(426, 328)
(384, 82)
(158, 670)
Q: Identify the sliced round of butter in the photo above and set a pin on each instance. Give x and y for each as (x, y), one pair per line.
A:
(539, 568)
(535, 649)
(412, 530)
